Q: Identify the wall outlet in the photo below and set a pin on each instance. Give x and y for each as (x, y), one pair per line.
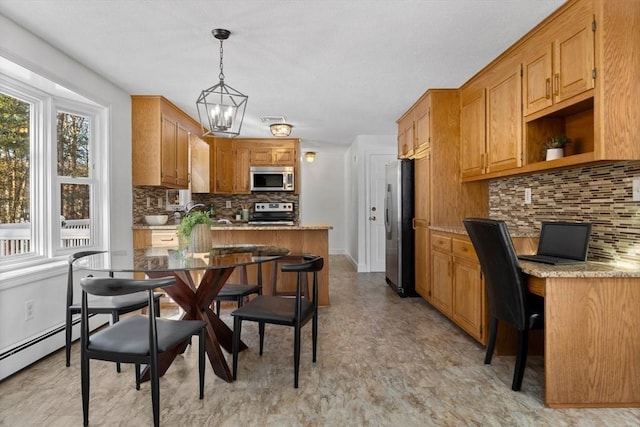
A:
(527, 196)
(636, 190)
(228, 204)
(148, 202)
(160, 202)
(28, 309)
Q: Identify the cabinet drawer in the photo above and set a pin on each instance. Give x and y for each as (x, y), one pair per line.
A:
(161, 240)
(441, 242)
(463, 248)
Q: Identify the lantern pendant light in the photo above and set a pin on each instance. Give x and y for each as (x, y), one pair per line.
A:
(221, 108)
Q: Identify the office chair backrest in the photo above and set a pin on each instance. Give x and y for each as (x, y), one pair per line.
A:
(503, 278)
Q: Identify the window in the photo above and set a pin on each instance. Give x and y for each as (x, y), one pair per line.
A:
(49, 169)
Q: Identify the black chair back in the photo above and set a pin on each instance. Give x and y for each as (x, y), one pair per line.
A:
(499, 263)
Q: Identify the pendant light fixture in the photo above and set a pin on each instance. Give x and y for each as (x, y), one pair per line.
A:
(280, 129)
(221, 107)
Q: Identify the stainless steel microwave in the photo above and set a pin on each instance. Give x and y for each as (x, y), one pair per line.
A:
(271, 178)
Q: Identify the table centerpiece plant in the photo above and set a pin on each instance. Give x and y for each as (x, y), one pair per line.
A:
(195, 227)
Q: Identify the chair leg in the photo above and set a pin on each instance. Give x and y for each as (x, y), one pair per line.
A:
(67, 343)
(137, 368)
(314, 334)
(157, 307)
(155, 392)
(261, 333)
(237, 325)
(218, 308)
(493, 332)
(84, 373)
(201, 345)
(296, 355)
(521, 359)
(115, 318)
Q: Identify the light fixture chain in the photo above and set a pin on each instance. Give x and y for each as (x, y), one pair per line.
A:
(221, 75)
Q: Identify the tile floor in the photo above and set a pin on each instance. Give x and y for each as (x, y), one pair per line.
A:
(382, 361)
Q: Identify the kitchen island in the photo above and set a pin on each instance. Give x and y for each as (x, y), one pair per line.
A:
(299, 239)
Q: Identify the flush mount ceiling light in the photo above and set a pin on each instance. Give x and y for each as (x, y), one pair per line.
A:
(221, 107)
(310, 156)
(280, 129)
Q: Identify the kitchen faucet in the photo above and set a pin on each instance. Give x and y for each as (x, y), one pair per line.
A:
(193, 206)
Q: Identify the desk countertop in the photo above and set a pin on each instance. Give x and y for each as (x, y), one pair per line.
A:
(589, 269)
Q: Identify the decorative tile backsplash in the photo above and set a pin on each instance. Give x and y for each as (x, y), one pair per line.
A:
(157, 202)
(599, 194)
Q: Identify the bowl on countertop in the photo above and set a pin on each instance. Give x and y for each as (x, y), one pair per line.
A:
(156, 219)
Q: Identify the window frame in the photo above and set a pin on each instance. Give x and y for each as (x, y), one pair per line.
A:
(44, 181)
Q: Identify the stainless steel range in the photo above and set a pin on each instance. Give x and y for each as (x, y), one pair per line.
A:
(273, 214)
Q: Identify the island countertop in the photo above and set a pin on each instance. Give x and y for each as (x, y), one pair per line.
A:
(240, 226)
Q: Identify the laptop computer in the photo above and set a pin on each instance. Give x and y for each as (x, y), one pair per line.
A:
(562, 243)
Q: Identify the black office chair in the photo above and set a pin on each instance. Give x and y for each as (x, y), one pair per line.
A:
(115, 306)
(508, 298)
(280, 310)
(137, 339)
(239, 292)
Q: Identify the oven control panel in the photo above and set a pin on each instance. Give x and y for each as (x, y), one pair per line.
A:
(273, 207)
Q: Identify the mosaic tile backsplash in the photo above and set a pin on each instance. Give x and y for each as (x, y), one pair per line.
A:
(157, 199)
(599, 194)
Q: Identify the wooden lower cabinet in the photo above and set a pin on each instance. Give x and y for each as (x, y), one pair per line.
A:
(422, 279)
(457, 287)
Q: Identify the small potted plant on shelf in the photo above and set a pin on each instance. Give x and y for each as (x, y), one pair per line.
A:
(555, 147)
(196, 229)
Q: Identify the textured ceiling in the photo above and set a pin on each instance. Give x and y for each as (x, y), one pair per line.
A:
(334, 68)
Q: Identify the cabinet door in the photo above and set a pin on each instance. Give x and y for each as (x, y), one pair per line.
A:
(422, 190)
(468, 297)
(168, 149)
(199, 165)
(441, 281)
(472, 133)
(284, 156)
(405, 136)
(242, 184)
(538, 72)
(422, 278)
(182, 156)
(261, 156)
(422, 119)
(504, 121)
(573, 52)
(224, 166)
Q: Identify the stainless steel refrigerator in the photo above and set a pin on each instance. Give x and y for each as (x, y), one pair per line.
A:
(398, 218)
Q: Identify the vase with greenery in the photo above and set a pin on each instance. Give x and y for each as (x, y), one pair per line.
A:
(554, 147)
(196, 229)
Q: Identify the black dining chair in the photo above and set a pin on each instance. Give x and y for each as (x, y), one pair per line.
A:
(508, 298)
(136, 339)
(115, 306)
(238, 292)
(281, 310)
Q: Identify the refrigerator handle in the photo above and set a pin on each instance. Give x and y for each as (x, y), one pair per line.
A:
(386, 208)
(413, 223)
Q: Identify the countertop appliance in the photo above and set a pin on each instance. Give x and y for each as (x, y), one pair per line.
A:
(267, 213)
(398, 218)
(271, 178)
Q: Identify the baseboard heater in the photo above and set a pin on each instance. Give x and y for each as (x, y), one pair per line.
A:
(39, 338)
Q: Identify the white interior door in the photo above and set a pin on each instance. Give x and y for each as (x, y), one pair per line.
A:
(375, 210)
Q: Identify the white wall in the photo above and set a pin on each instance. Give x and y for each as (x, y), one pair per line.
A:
(323, 191)
(356, 209)
(46, 286)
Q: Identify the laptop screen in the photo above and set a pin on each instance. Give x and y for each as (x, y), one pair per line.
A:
(564, 240)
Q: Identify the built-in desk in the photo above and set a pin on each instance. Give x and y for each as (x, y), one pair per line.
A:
(592, 333)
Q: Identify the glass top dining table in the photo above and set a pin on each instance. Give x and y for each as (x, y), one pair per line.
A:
(195, 299)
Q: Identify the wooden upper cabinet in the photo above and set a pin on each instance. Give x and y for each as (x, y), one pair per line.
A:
(559, 60)
(242, 183)
(273, 152)
(422, 120)
(224, 166)
(504, 118)
(472, 131)
(406, 135)
(200, 170)
(160, 142)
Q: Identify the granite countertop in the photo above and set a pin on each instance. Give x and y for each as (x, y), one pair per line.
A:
(459, 229)
(241, 226)
(590, 269)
